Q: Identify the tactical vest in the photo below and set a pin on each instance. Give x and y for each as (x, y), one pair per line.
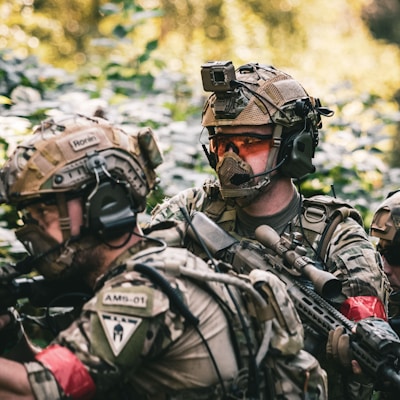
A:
(319, 218)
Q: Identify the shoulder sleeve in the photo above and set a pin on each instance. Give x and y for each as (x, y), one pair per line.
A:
(352, 258)
(126, 317)
(43, 383)
(68, 371)
(118, 328)
(191, 199)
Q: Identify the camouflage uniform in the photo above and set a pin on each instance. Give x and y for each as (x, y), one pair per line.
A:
(385, 226)
(161, 323)
(349, 256)
(136, 344)
(394, 311)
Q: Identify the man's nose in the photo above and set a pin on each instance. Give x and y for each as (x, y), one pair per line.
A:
(231, 147)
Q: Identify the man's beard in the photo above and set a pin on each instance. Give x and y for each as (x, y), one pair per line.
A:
(88, 262)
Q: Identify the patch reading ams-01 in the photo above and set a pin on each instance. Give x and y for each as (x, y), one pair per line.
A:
(125, 299)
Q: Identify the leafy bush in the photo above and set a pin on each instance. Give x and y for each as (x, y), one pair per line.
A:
(349, 159)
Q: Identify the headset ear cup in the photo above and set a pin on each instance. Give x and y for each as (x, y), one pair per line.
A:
(298, 149)
(111, 211)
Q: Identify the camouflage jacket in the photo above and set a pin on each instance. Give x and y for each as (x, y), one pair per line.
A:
(348, 255)
(394, 311)
(162, 325)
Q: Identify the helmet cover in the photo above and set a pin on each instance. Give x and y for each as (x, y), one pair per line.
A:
(65, 155)
(260, 95)
(386, 220)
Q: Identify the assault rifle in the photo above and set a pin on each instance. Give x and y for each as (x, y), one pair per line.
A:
(18, 287)
(16, 283)
(375, 348)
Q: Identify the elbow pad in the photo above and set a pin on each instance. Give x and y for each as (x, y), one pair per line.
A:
(68, 370)
(360, 307)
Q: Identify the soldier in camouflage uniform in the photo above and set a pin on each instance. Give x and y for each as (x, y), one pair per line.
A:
(161, 323)
(385, 226)
(263, 130)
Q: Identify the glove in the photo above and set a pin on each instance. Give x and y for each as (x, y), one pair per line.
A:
(338, 348)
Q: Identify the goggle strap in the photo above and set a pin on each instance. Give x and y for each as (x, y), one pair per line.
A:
(276, 143)
(65, 222)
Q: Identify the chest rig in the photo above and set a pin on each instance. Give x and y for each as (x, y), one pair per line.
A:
(319, 218)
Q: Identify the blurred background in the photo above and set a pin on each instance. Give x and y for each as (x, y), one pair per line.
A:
(139, 63)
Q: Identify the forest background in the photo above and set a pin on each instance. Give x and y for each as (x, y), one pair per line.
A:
(139, 61)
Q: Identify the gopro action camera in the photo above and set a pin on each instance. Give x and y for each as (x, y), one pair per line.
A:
(217, 76)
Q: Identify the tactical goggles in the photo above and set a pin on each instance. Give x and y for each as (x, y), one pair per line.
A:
(48, 200)
(391, 254)
(28, 210)
(243, 144)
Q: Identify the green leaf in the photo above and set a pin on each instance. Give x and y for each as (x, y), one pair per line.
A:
(120, 31)
(5, 100)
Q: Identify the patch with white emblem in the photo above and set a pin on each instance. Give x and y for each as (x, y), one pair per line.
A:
(118, 329)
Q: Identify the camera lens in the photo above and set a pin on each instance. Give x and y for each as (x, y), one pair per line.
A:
(218, 77)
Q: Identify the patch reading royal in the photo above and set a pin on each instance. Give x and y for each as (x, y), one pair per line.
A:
(84, 140)
(125, 299)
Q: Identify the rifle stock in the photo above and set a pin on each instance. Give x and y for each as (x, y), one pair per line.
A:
(375, 349)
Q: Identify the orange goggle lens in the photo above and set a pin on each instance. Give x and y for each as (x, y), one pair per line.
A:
(243, 145)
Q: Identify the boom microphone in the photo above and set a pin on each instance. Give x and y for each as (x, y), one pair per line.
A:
(238, 179)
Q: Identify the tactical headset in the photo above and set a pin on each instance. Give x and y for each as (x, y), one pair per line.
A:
(111, 211)
(298, 145)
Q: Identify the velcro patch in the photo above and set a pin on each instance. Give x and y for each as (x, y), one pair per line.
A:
(84, 139)
(118, 329)
(125, 299)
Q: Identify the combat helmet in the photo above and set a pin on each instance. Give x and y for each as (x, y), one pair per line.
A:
(76, 156)
(386, 220)
(257, 94)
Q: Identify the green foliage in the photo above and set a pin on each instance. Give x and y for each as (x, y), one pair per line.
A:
(382, 17)
(28, 72)
(116, 51)
(10, 249)
(352, 157)
(109, 55)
